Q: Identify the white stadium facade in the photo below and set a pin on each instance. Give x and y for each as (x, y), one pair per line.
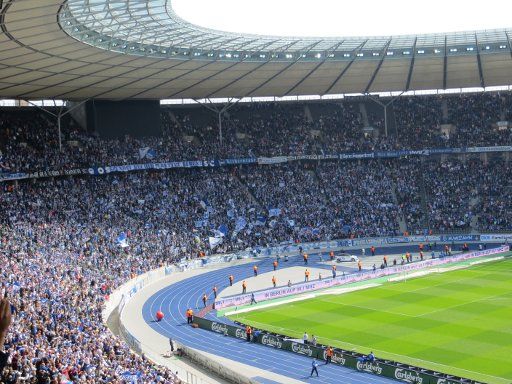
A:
(117, 49)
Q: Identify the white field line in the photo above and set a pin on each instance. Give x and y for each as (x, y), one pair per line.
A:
(426, 272)
(336, 291)
(491, 298)
(486, 260)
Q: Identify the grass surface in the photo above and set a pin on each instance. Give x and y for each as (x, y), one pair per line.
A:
(457, 322)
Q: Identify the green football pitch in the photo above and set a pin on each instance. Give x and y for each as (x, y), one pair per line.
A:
(457, 322)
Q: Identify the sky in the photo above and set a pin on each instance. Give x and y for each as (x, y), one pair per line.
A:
(337, 18)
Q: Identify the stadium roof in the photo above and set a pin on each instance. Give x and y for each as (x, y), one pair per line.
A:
(118, 49)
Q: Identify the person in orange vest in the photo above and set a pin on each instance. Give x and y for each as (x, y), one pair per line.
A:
(255, 269)
(248, 332)
(359, 265)
(331, 255)
(215, 291)
(385, 261)
(205, 299)
(333, 271)
(190, 316)
(231, 278)
(244, 287)
(275, 264)
(329, 352)
(306, 275)
(372, 250)
(305, 257)
(274, 281)
(421, 255)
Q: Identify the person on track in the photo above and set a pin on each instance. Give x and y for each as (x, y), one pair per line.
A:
(305, 257)
(274, 281)
(205, 299)
(306, 276)
(244, 287)
(314, 368)
(214, 291)
(248, 332)
(231, 278)
(190, 316)
(255, 269)
(328, 355)
(274, 264)
(333, 271)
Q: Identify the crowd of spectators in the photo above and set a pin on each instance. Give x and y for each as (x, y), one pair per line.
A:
(495, 198)
(29, 140)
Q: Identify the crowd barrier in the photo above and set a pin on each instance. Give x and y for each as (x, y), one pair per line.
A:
(352, 360)
(220, 369)
(269, 294)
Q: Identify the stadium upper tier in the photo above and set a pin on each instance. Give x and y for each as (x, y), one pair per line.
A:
(78, 49)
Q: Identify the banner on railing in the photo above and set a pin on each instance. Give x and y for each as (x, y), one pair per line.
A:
(102, 170)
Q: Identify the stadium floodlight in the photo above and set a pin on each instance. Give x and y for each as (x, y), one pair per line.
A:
(228, 55)
(470, 49)
(390, 53)
(453, 49)
(360, 54)
(406, 52)
(487, 47)
(421, 51)
(289, 56)
(346, 55)
(376, 53)
(318, 55)
(503, 46)
(436, 51)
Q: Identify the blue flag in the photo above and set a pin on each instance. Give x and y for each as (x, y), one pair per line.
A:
(241, 223)
(274, 212)
(122, 240)
(260, 220)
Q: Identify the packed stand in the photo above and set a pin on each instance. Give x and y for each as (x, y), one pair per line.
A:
(409, 191)
(29, 140)
(495, 198)
(360, 196)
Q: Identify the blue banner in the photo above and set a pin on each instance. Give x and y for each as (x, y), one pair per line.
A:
(101, 170)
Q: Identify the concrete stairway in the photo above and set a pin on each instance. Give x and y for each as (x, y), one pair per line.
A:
(402, 224)
(364, 114)
(307, 113)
